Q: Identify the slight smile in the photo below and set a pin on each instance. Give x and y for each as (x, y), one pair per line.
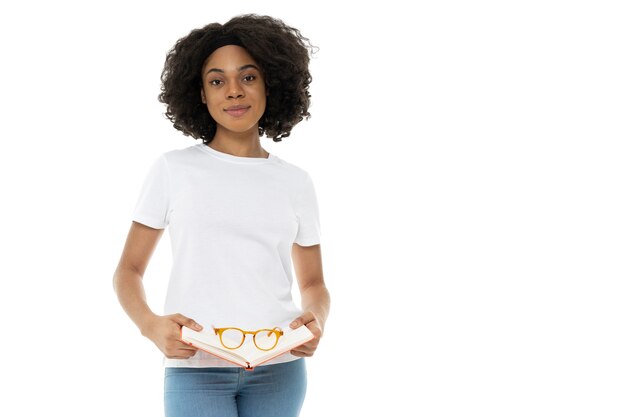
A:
(237, 111)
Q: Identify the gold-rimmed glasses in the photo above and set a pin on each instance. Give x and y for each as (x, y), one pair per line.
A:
(233, 337)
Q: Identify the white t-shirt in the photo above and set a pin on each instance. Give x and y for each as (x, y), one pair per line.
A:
(232, 223)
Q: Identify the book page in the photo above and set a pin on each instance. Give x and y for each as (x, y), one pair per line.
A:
(248, 352)
(210, 342)
(288, 341)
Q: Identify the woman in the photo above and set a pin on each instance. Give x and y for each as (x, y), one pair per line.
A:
(238, 217)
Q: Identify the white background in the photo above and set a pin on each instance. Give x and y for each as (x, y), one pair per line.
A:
(469, 164)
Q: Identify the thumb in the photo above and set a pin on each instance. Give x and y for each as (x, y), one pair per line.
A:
(303, 319)
(186, 321)
(296, 323)
(299, 321)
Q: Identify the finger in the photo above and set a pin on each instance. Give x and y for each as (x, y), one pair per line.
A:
(187, 353)
(182, 351)
(183, 345)
(181, 355)
(307, 349)
(305, 318)
(186, 321)
(301, 354)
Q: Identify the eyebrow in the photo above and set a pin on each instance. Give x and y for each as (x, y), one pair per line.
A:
(242, 68)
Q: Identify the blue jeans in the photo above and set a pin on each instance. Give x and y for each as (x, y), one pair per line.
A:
(272, 390)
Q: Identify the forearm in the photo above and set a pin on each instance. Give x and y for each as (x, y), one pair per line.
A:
(316, 299)
(130, 292)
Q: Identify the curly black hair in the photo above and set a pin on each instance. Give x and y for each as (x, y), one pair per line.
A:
(280, 50)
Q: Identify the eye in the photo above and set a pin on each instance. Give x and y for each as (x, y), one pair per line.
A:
(215, 82)
(249, 78)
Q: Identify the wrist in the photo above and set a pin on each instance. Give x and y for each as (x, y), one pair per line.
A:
(146, 322)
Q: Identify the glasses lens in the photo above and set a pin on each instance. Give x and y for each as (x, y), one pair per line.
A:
(265, 339)
(232, 338)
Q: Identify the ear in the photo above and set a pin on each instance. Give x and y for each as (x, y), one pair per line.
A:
(202, 95)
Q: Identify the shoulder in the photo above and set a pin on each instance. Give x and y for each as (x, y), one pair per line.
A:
(182, 159)
(181, 154)
(296, 179)
(292, 170)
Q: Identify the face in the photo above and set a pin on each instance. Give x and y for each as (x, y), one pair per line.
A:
(233, 89)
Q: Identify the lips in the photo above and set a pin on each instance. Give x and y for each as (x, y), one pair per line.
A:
(237, 111)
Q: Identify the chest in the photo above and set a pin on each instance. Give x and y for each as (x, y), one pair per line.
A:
(235, 205)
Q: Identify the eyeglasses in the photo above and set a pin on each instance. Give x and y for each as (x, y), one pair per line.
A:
(264, 339)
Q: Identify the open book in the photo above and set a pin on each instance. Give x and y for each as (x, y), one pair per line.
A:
(248, 355)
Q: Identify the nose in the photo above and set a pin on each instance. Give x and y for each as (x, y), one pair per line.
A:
(235, 91)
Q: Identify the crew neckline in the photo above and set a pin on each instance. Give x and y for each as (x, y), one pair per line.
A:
(234, 158)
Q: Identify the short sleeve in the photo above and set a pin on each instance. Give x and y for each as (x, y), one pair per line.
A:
(307, 211)
(152, 207)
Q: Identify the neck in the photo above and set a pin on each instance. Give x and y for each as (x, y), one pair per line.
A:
(244, 144)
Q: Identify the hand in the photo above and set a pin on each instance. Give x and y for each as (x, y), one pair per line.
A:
(164, 331)
(309, 320)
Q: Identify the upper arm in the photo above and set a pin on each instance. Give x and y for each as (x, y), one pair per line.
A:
(140, 244)
(307, 261)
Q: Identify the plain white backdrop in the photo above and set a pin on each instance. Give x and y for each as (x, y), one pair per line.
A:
(469, 164)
